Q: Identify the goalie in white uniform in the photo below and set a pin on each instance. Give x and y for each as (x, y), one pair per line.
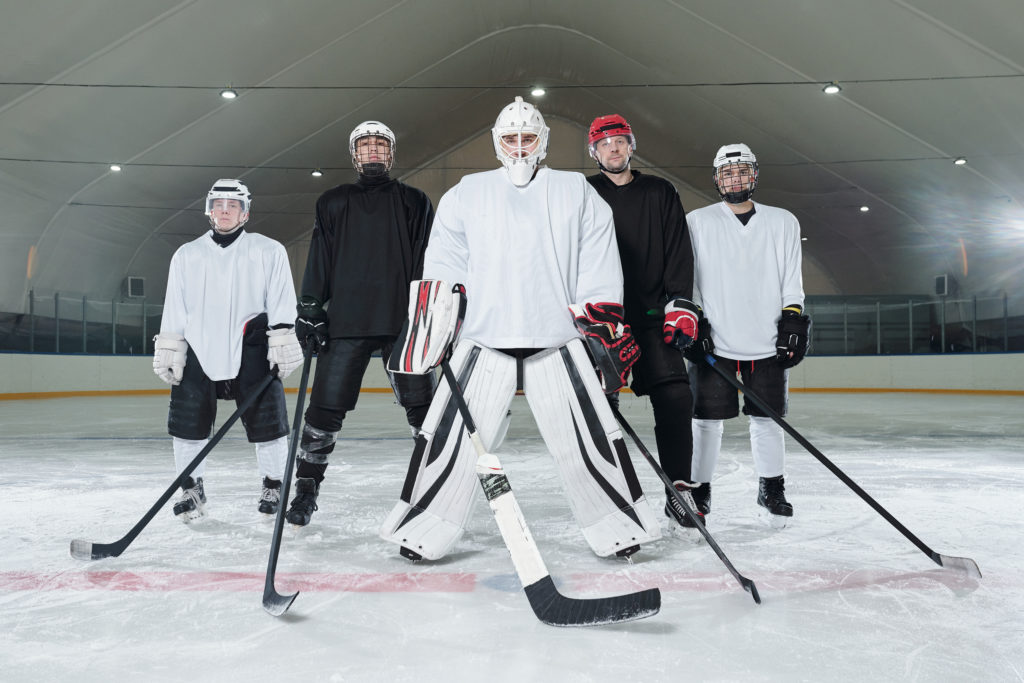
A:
(528, 243)
(747, 278)
(227, 322)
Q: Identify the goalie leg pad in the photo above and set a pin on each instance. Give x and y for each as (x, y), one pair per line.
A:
(185, 450)
(578, 427)
(441, 483)
(271, 457)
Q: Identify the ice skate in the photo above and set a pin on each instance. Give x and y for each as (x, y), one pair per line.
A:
(191, 507)
(270, 498)
(304, 504)
(771, 496)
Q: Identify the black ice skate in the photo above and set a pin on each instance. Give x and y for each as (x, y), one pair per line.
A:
(702, 497)
(304, 503)
(771, 495)
(271, 496)
(674, 511)
(192, 504)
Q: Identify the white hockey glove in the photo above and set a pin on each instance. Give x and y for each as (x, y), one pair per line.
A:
(169, 357)
(435, 318)
(283, 351)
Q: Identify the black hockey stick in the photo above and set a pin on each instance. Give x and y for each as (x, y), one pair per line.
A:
(274, 602)
(86, 550)
(550, 606)
(964, 564)
(747, 584)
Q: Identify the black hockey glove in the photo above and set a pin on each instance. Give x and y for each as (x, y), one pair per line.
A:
(609, 341)
(794, 336)
(703, 344)
(311, 325)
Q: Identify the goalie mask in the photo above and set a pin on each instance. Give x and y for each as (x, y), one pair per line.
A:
(735, 173)
(375, 155)
(227, 188)
(603, 130)
(520, 140)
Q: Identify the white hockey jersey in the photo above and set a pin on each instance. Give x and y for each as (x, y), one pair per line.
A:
(744, 275)
(524, 254)
(213, 291)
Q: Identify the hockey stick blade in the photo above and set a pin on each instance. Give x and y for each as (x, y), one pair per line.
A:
(86, 550)
(964, 564)
(550, 606)
(746, 583)
(273, 602)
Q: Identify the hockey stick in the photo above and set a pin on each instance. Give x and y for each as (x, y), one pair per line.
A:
(86, 550)
(964, 564)
(747, 584)
(550, 606)
(274, 602)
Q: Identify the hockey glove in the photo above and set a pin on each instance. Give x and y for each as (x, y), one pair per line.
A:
(609, 341)
(169, 357)
(680, 327)
(283, 351)
(311, 325)
(794, 336)
(435, 319)
(703, 344)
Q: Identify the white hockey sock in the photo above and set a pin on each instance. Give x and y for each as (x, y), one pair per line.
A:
(271, 457)
(185, 450)
(768, 444)
(707, 444)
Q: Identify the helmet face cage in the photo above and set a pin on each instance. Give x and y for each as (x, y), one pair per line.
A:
(517, 120)
(732, 161)
(609, 126)
(229, 189)
(384, 138)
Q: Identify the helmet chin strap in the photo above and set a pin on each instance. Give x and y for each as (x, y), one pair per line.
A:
(624, 168)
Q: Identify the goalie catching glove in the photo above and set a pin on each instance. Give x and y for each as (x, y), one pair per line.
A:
(794, 336)
(609, 342)
(680, 327)
(283, 351)
(169, 357)
(435, 318)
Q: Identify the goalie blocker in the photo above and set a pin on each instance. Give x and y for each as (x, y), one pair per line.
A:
(435, 319)
(609, 342)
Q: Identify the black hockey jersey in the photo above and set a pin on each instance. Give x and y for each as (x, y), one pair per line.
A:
(654, 244)
(368, 244)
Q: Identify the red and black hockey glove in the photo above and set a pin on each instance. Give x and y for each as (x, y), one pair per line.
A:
(680, 327)
(794, 336)
(311, 325)
(703, 344)
(609, 341)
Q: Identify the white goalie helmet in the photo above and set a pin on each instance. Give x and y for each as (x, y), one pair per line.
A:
(520, 140)
(372, 129)
(728, 155)
(229, 188)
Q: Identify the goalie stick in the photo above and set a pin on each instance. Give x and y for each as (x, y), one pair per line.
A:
(87, 550)
(550, 606)
(746, 583)
(964, 564)
(273, 602)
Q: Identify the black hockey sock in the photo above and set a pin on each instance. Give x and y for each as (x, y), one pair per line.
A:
(309, 470)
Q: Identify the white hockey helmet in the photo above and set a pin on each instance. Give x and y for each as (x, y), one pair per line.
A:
(375, 129)
(229, 188)
(513, 123)
(727, 155)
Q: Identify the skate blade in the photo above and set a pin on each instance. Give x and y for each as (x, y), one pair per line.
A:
(193, 517)
(773, 521)
(686, 533)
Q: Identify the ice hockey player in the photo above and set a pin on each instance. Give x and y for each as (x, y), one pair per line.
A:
(367, 246)
(530, 244)
(227, 322)
(749, 284)
(657, 271)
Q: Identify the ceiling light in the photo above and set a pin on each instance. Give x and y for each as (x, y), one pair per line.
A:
(959, 161)
(537, 92)
(831, 89)
(228, 94)
(115, 167)
(316, 173)
(865, 209)
(803, 239)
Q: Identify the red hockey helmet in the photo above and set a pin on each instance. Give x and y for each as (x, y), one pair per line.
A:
(608, 127)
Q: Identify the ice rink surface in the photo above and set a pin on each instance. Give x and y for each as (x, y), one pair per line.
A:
(845, 596)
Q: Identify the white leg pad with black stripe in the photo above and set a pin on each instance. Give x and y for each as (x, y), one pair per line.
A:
(580, 431)
(441, 484)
